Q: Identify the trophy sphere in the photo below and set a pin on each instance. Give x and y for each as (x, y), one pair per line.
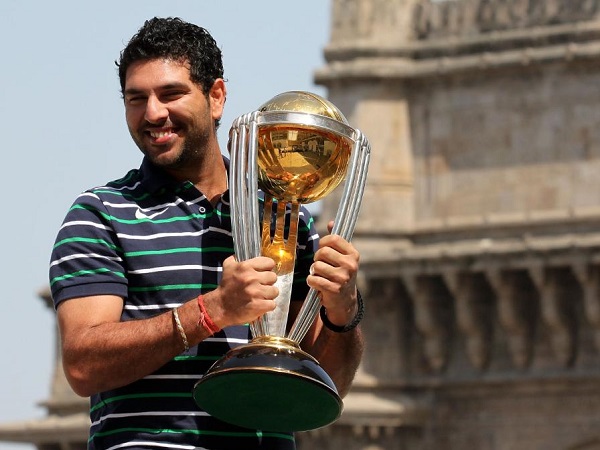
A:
(305, 102)
(301, 161)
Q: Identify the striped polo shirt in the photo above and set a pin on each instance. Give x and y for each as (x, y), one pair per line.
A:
(158, 243)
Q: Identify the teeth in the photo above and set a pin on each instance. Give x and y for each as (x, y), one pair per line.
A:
(159, 134)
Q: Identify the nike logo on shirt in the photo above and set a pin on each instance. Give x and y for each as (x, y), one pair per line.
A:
(140, 215)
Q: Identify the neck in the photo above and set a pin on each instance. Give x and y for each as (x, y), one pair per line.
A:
(209, 175)
(212, 179)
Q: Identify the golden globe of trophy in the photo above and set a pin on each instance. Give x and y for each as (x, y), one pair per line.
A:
(296, 148)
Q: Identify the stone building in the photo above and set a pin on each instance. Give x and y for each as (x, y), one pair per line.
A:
(480, 229)
(67, 422)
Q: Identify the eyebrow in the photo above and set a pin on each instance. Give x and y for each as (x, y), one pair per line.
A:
(173, 85)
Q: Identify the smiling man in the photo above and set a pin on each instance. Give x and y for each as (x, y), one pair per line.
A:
(147, 291)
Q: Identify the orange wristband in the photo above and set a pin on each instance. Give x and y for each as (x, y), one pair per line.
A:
(205, 320)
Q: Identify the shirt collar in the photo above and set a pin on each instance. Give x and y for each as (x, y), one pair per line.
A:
(154, 179)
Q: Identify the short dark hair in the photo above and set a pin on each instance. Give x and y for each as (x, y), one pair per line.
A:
(177, 40)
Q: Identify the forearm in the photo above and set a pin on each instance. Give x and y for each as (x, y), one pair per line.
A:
(102, 352)
(339, 354)
(112, 354)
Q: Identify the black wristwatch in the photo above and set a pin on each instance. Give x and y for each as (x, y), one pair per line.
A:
(352, 325)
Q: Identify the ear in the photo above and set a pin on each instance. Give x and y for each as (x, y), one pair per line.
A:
(217, 96)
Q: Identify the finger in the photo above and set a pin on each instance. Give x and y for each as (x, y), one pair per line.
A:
(339, 275)
(338, 243)
(330, 226)
(324, 285)
(229, 261)
(271, 293)
(268, 278)
(328, 256)
(262, 263)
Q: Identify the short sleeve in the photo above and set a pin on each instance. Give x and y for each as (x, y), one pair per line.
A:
(86, 258)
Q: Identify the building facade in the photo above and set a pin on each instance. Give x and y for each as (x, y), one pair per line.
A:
(480, 230)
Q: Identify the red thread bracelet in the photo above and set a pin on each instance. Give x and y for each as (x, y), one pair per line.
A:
(205, 320)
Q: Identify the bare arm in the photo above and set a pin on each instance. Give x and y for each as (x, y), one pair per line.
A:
(333, 274)
(101, 352)
(338, 353)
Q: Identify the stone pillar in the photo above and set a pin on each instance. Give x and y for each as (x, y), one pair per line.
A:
(473, 302)
(517, 309)
(558, 301)
(66, 425)
(589, 278)
(433, 318)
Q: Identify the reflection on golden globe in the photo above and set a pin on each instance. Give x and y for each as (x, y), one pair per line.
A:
(301, 163)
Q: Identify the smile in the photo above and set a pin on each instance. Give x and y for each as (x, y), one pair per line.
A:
(161, 133)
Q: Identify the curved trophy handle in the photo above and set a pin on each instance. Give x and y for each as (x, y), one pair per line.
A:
(243, 191)
(344, 224)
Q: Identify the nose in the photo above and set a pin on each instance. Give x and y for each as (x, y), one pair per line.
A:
(156, 111)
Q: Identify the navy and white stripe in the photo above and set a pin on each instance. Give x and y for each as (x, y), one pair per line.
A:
(159, 243)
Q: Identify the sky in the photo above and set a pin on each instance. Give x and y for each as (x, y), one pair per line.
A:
(64, 132)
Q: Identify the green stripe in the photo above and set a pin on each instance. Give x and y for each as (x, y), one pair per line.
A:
(197, 358)
(111, 218)
(120, 194)
(186, 187)
(124, 180)
(89, 240)
(196, 432)
(85, 272)
(118, 398)
(179, 250)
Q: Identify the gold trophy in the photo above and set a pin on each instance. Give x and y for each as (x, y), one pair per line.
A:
(296, 148)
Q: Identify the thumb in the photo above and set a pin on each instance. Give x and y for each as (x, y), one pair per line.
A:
(330, 226)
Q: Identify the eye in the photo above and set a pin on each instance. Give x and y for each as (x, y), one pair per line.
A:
(173, 95)
(134, 100)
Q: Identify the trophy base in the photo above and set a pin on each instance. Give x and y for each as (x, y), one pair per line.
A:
(269, 384)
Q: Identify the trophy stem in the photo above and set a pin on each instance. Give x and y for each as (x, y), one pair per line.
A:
(283, 252)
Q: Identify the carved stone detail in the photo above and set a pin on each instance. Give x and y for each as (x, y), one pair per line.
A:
(368, 19)
(431, 318)
(515, 313)
(437, 19)
(557, 311)
(589, 278)
(472, 315)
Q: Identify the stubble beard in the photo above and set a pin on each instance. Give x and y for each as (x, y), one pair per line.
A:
(191, 153)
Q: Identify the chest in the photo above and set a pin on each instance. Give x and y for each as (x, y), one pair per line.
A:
(172, 250)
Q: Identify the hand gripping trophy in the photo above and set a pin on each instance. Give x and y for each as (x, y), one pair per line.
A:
(296, 149)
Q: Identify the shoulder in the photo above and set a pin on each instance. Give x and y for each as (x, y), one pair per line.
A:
(127, 187)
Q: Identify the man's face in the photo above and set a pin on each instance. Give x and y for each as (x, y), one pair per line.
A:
(168, 116)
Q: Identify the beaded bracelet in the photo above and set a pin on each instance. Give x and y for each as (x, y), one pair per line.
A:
(205, 320)
(345, 328)
(184, 338)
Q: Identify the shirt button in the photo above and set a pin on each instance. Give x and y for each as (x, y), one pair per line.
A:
(202, 210)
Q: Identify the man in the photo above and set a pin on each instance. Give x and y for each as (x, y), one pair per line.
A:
(147, 290)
